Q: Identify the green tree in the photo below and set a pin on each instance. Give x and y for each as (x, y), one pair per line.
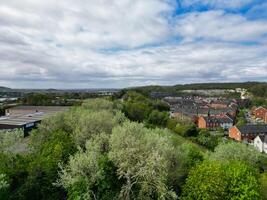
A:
(233, 151)
(161, 105)
(181, 160)
(171, 124)
(243, 181)
(3, 182)
(186, 130)
(206, 181)
(38, 99)
(98, 104)
(43, 168)
(136, 111)
(4, 186)
(222, 181)
(158, 118)
(140, 155)
(207, 140)
(264, 185)
(10, 138)
(89, 174)
(92, 123)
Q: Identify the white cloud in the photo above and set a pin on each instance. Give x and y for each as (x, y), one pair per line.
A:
(119, 43)
(91, 24)
(191, 62)
(218, 25)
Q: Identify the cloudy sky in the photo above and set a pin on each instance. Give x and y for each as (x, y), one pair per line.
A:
(122, 43)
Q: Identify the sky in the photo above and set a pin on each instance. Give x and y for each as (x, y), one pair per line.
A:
(125, 43)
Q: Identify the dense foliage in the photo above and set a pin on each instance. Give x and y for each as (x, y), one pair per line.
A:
(241, 119)
(94, 151)
(10, 138)
(259, 90)
(222, 181)
(138, 107)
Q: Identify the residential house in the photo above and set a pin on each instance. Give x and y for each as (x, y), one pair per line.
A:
(219, 104)
(260, 112)
(247, 132)
(260, 142)
(215, 122)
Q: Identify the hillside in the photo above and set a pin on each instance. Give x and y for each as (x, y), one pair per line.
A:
(5, 89)
(256, 88)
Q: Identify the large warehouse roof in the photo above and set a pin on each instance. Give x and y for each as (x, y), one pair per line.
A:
(22, 115)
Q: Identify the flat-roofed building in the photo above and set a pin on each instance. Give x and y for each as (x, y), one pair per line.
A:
(27, 117)
(26, 110)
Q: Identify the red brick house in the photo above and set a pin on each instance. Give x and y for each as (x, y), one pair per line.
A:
(218, 105)
(247, 132)
(260, 112)
(215, 122)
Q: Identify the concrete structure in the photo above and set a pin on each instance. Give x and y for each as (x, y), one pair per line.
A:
(260, 142)
(215, 122)
(247, 132)
(27, 117)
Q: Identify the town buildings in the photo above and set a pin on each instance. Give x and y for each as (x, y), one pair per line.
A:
(214, 122)
(247, 132)
(260, 112)
(260, 142)
(206, 112)
(27, 117)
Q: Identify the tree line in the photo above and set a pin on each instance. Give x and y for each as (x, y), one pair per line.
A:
(95, 151)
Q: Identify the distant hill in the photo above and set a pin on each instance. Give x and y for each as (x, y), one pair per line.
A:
(4, 89)
(256, 88)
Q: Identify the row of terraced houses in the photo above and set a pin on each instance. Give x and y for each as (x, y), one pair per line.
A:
(255, 134)
(213, 113)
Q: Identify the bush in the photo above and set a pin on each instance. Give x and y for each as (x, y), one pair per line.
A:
(234, 151)
(207, 140)
(158, 118)
(222, 181)
(186, 130)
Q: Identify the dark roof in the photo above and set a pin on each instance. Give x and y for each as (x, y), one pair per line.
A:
(30, 115)
(220, 120)
(223, 102)
(262, 137)
(193, 110)
(253, 128)
(21, 120)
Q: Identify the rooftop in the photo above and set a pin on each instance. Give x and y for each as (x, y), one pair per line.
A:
(222, 119)
(29, 114)
(253, 128)
(263, 138)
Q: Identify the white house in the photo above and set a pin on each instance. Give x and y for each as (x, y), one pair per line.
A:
(260, 142)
